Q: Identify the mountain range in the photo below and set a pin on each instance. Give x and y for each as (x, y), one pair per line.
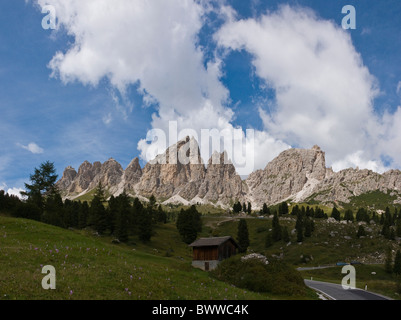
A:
(297, 175)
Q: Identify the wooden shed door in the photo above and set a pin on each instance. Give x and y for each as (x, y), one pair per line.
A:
(206, 266)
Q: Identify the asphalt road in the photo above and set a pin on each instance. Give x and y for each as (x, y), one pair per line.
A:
(336, 292)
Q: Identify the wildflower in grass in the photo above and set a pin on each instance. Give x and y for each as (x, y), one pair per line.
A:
(71, 292)
(131, 276)
(56, 250)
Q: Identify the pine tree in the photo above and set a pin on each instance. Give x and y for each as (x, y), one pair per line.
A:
(397, 263)
(299, 226)
(189, 223)
(145, 225)
(265, 209)
(276, 228)
(122, 223)
(243, 236)
(54, 210)
(161, 215)
(336, 214)
(361, 232)
(83, 215)
(285, 234)
(269, 240)
(237, 207)
(249, 209)
(349, 215)
(43, 183)
(398, 226)
(97, 212)
(284, 207)
(308, 227)
(388, 263)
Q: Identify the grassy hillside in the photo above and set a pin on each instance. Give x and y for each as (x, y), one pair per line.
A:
(330, 243)
(90, 267)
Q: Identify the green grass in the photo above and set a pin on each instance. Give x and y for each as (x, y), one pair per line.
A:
(327, 245)
(94, 268)
(324, 249)
(375, 200)
(90, 267)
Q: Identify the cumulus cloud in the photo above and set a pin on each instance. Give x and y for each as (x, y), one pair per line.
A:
(16, 192)
(12, 191)
(154, 46)
(324, 93)
(32, 147)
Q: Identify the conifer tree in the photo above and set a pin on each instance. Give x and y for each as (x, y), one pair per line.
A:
(336, 214)
(388, 263)
(97, 212)
(189, 223)
(349, 215)
(397, 263)
(243, 236)
(361, 232)
(299, 226)
(83, 215)
(265, 209)
(122, 223)
(276, 228)
(308, 227)
(145, 225)
(269, 240)
(285, 234)
(42, 183)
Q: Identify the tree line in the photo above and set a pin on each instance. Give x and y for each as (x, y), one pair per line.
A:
(121, 216)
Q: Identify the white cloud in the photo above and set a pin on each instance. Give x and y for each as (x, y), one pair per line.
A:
(32, 147)
(358, 160)
(16, 192)
(324, 93)
(153, 45)
(12, 191)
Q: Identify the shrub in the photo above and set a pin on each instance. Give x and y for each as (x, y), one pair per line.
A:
(275, 277)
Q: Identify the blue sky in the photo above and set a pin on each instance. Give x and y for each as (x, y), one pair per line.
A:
(92, 89)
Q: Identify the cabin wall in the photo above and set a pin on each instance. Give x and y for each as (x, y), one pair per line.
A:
(226, 250)
(206, 253)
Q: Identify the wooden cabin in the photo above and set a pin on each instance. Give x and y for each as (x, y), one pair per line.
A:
(208, 252)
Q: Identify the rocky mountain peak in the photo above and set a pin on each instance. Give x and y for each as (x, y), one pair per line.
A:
(132, 174)
(179, 175)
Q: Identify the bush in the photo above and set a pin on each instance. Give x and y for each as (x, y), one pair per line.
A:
(275, 277)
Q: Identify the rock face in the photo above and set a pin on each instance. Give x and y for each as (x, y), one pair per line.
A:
(68, 177)
(287, 175)
(178, 171)
(221, 182)
(179, 175)
(132, 174)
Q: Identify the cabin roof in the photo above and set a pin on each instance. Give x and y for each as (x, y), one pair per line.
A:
(212, 242)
